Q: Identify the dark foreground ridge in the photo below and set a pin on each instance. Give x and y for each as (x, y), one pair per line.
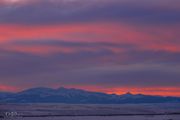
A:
(77, 96)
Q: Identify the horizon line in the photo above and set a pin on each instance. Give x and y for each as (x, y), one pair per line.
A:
(123, 93)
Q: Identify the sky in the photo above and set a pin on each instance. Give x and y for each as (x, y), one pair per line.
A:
(111, 46)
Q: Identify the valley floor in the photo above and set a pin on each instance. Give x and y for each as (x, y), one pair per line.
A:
(165, 117)
(89, 112)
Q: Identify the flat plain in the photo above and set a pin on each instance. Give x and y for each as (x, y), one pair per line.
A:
(90, 111)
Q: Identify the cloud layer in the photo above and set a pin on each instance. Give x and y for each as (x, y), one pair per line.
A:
(68, 11)
(118, 45)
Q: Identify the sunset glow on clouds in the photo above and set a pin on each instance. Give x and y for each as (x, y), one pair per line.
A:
(109, 46)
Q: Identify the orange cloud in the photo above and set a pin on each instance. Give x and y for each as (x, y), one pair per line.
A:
(152, 38)
(115, 32)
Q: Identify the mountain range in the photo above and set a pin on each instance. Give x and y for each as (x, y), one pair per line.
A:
(78, 96)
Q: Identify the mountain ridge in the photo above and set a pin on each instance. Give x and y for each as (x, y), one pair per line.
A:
(79, 96)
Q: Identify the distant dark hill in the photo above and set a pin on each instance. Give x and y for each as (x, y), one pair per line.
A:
(77, 96)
